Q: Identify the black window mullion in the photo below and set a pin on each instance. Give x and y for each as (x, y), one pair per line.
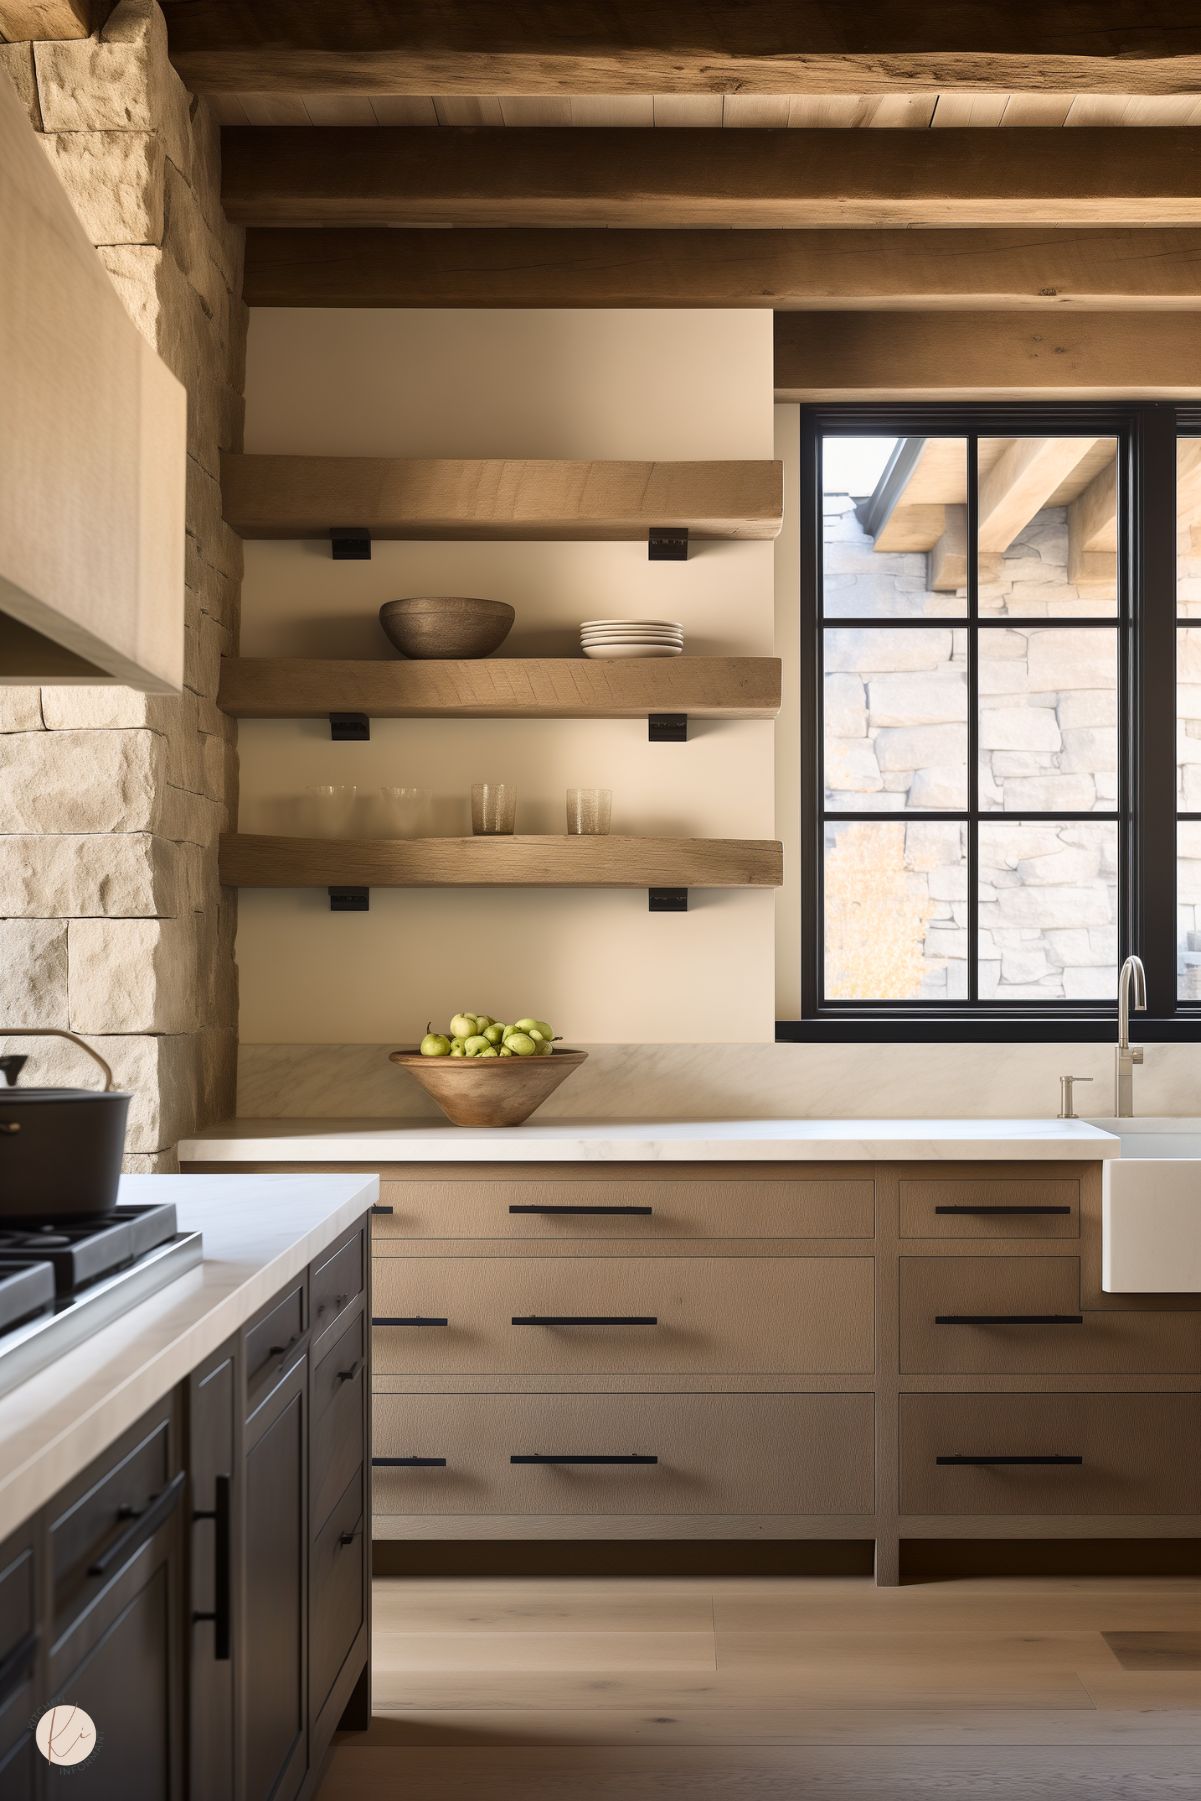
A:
(1151, 684)
(812, 711)
(973, 721)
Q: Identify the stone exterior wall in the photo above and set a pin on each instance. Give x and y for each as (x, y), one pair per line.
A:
(896, 737)
(112, 922)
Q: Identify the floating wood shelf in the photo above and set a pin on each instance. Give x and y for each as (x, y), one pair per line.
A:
(305, 496)
(502, 688)
(529, 861)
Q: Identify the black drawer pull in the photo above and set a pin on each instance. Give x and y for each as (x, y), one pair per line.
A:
(623, 1210)
(281, 1350)
(221, 1515)
(346, 1538)
(584, 1319)
(539, 1458)
(350, 1374)
(16, 1667)
(144, 1523)
(1008, 1460)
(409, 1463)
(380, 1207)
(1000, 1210)
(398, 1319)
(1008, 1319)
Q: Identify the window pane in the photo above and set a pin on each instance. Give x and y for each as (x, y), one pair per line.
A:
(1188, 524)
(895, 718)
(1188, 719)
(1188, 910)
(1047, 525)
(894, 529)
(1048, 719)
(896, 910)
(1048, 911)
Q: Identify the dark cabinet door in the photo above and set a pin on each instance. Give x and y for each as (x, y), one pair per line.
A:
(274, 1682)
(213, 1419)
(21, 1645)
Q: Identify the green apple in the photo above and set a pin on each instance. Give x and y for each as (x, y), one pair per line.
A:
(489, 1050)
(435, 1045)
(494, 1034)
(522, 1044)
(463, 1025)
(484, 1020)
(456, 1050)
(476, 1044)
(546, 1048)
(504, 1051)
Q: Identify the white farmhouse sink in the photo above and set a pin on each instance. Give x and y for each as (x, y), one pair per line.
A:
(1151, 1207)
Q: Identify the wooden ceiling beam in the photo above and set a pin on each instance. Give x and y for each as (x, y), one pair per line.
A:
(1021, 482)
(677, 47)
(779, 269)
(491, 176)
(987, 355)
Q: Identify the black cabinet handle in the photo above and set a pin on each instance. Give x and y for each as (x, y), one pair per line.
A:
(15, 1667)
(1008, 1460)
(1008, 1319)
(540, 1458)
(623, 1210)
(379, 1207)
(221, 1514)
(971, 1211)
(281, 1350)
(145, 1522)
(350, 1374)
(584, 1319)
(398, 1319)
(346, 1538)
(409, 1463)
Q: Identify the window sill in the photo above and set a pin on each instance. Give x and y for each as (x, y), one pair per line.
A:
(1004, 1028)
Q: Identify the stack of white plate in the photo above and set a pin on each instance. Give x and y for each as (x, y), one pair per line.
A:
(631, 638)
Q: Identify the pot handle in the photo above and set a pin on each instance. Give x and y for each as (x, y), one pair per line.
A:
(57, 1032)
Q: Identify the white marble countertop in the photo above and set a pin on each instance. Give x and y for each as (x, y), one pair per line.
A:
(374, 1141)
(259, 1232)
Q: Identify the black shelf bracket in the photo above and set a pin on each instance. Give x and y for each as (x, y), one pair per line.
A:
(667, 544)
(349, 728)
(350, 543)
(667, 728)
(349, 900)
(667, 900)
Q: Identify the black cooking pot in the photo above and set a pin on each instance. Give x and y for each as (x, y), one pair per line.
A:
(60, 1148)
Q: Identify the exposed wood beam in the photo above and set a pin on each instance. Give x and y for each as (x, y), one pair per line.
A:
(947, 560)
(594, 176)
(1020, 483)
(676, 46)
(1093, 531)
(988, 355)
(45, 20)
(781, 269)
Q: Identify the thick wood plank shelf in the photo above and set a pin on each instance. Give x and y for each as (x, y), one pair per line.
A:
(502, 688)
(395, 497)
(524, 860)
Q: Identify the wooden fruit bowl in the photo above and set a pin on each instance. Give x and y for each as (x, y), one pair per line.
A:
(489, 1091)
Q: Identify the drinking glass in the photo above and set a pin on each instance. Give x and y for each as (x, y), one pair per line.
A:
(589, 810)
(493, 808)
(401, 812)
(332, 809)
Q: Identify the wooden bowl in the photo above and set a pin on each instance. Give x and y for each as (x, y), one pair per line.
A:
(447, 625)
(492, 1091)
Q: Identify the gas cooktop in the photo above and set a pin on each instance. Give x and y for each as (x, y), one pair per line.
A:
(61, 1280)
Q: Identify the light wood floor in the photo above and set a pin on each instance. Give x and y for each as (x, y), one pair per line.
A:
(781, 1689)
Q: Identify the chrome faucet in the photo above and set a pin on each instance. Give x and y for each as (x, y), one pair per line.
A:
(1127, 1054)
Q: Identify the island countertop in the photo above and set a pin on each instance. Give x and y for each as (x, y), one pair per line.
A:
(259, 1232)
(383, 1141)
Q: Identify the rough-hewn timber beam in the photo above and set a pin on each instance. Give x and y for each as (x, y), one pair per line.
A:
(498, 176)
(47, 20)
(1020, 483)
(780, 269)
(988, 355)
(676, 46)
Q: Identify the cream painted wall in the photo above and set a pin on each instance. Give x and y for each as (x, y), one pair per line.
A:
(573, 384)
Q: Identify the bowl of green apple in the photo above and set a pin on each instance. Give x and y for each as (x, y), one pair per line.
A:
(484, 1072)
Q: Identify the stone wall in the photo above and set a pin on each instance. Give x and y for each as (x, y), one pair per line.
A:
(112, 922)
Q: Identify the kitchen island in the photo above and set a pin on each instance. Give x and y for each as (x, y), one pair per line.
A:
(888, 1330)
(184, 1528)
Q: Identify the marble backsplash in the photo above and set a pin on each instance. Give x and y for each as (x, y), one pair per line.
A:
(768, 1081)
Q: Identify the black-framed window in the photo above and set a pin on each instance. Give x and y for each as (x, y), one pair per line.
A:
(990, 769)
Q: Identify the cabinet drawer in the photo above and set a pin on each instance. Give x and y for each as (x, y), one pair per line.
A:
(729, 1453)
(268, 1342)
(1138, 1454)
(1022, 1315)
(18, 1639)
(995, 1207)
(338, 1606)
(337, 1418)
(334, 1283)
(622, 1314)
(114, 1496)
(569, 1209)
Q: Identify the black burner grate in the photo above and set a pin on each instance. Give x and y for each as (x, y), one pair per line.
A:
(80, 1251)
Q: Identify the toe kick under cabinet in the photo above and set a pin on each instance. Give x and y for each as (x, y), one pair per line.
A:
(792, 1350)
